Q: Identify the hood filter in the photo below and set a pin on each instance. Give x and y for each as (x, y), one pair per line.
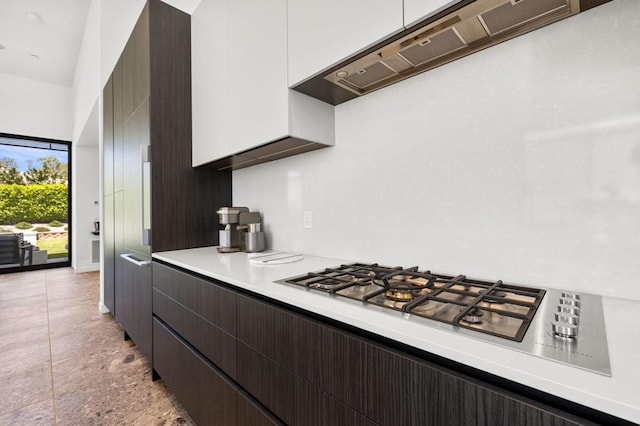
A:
(518, 12)
(471, 28)
(445, 42)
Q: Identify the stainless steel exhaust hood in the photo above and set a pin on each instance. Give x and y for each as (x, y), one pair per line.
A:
(461, 30)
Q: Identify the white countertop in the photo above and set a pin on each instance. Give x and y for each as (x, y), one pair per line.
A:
(615, 395)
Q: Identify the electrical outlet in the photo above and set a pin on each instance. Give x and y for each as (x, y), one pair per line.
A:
(307, 221)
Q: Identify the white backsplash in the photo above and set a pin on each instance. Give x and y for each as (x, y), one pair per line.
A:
(520, 163)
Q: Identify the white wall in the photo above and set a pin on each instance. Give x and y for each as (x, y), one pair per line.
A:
(86, 193)
(86, 207)
(521, 163)
(87, 82)
(117, 19)
(33, 108)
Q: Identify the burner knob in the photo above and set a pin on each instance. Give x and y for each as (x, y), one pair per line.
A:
(569, 295)
(570, 301)
(568, 318)
(564, 329)
(569, 309)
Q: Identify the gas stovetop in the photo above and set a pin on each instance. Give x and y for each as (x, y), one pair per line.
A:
(563, 326)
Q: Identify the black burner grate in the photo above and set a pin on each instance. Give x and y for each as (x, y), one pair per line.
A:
(495, 308)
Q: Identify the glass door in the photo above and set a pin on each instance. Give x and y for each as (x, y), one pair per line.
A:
(34, 203)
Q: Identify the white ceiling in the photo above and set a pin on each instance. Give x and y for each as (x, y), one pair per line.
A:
(55, 39)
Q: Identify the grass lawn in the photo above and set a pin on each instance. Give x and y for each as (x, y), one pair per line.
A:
(55, 247)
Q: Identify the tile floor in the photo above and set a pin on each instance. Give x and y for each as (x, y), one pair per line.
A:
(64, 363)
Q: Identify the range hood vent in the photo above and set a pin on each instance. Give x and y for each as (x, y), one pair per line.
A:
(455, 33)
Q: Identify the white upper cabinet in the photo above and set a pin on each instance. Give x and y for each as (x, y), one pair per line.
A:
(240, 94)
(417, 10)
(322, 33)
(257, 64)
(209, 82)
(239, 76)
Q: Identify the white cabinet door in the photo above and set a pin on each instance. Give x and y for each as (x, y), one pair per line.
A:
(322, 33)
(417, 10)
(209, 81)
(257, 58)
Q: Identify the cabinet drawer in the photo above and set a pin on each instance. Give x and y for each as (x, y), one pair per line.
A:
(294, 400)
(209, 398)
(212, 302)
(330, 359)
(135, 283)
(213, 342)
(382, 384)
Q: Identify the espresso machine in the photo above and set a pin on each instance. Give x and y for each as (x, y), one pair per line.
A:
(242, 230)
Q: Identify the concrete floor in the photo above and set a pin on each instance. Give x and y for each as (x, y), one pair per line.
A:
(64, 363)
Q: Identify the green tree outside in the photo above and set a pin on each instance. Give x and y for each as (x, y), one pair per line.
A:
(9, 173)
(51, 170)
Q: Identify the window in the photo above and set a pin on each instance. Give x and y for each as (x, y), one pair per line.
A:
(34, 203)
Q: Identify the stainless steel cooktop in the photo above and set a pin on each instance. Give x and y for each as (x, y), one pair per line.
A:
(563, 326)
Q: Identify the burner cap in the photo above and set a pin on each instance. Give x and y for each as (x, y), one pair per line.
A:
(400, 294)
(474, 316)
(491, 298)
(326, 284)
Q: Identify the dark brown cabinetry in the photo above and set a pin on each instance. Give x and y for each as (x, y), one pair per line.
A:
(194, 348)
(108, 236)
(154, 199)
(205, 394)
(308, 371)
(203, 313)
(294, 400)
(381, 384)
(136, 282)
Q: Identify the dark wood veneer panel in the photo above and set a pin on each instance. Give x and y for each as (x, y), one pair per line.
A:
(137, 305)
(288, 396)
(118, 123)
(135, 66)
(386, 386)
(325, 357)
(108, 264)
(416, 392)
(208, 398)
(250, 414)
(107, 137)
(136, 134)
(214, 343)
(212, 302)
(119, 285)
(408, 393)
(184, 199)
(282, 148)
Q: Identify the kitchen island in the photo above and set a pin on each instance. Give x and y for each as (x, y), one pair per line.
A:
(520, 374)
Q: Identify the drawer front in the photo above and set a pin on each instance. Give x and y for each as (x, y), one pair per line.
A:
(325, 357)
(207, 397)
(294, 400)
(251, 414)
(386, 386)
(213, 342)
(137, 304)
(212, 302)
